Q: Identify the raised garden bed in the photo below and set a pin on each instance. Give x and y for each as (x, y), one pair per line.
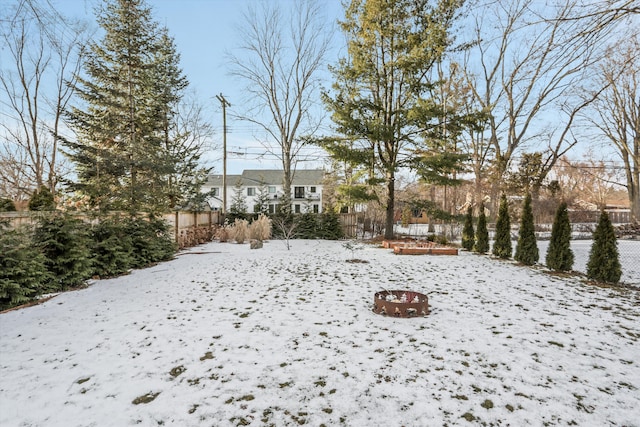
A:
(400, 303)
(418, 248)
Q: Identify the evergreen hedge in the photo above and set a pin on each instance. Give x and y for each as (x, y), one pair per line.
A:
(482, 234)
(63, 252)
(527, 247)
(502, 244)
(604, 261)
(42, 200)
(559, 255)
(468, 235)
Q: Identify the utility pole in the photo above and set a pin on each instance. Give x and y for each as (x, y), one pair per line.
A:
(225, 104)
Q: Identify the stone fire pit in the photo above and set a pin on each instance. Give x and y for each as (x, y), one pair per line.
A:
(400, 303)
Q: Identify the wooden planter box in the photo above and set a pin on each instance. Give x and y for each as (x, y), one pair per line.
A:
(404, 250)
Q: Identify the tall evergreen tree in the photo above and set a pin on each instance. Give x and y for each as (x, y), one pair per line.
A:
(502, 244)
(123, 153)
(383, 101)
(482, 234)
(604, 260)
(468, 235)
(559, 255)
(527, 247)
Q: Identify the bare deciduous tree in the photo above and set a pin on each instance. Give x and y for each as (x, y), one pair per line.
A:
(526, 64)
(43, 53)
(279, 57)
(616, 112)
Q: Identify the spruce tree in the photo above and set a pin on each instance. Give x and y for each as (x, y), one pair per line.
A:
(559, 255)
(604, 260)
(502, 243)
(468, 236)
(527, 248)
(129, 87)
(482, 234)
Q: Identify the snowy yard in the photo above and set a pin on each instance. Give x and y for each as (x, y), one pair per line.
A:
(225, 336)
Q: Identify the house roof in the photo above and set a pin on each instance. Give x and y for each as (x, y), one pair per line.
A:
(269, 177)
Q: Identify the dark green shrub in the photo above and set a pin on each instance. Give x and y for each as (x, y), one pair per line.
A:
(151, 241)
(307, 226)
(604, 260)
(330, 226)
(468, 235)
(65, 243)
(502, 243)
(527, 247)
(482, 234)
(42, 200)
(23, 273)
(7, 205)
(111, 248)
(559, 255)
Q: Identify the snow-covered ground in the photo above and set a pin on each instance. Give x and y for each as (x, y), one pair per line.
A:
(225, 336)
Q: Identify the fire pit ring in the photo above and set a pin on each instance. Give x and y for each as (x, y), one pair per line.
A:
(401, 303)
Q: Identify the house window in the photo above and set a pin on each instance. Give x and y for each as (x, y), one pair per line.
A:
(272, 189)
(297, 208)
(272, 208)
(214, 191)
(251, 191)
(316, 208)
(298, 192)
(312, 189)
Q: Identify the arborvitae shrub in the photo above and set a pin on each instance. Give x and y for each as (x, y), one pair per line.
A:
(468, 235)
(330, 226)
(7, 205)
(559, 255)
(527, 248)
(307, 226)
(42, 200)
(65, 243)
(502, 244)
(111, 248)
(23, 272)
(482, 234)
(604, 261)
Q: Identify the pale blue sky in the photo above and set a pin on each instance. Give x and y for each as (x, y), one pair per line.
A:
(204, 30)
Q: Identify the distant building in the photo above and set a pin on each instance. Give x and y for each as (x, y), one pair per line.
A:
(306, 189)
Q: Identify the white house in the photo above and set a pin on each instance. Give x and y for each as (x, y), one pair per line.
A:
(306, 189)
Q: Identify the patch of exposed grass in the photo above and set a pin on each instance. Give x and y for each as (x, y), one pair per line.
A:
(145, 398)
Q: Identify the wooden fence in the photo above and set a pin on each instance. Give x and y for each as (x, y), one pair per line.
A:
(189, 228)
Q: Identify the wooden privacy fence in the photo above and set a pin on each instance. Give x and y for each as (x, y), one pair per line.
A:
(189, 228)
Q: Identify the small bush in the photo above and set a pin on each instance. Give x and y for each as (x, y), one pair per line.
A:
(307, 226)
(65, 243)
(468, 235)
(330, 226)
(502, 244)
(527, 247)
(23, 270)
(559, 255)
(151, 240)
(7, 205)
(482, 234)
(604, 260)
(42, 200)
(111, 247)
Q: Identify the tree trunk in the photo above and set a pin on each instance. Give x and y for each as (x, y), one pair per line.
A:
(391, 182)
